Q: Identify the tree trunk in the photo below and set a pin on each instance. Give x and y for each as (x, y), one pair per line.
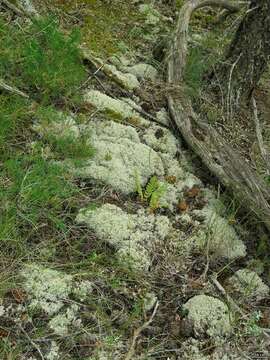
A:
(247, 56)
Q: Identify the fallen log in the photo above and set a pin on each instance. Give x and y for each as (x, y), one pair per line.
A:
(232, 170)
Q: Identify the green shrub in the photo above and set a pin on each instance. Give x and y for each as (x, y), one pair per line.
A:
(51, 61)
(15, 119)
(36, 188)
(40, 59)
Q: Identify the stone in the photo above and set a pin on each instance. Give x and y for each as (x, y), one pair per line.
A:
(132, 235)
(209, 316)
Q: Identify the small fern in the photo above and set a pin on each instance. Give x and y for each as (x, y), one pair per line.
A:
(153, 192)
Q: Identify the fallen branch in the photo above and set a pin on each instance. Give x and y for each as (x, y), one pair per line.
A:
(19, 10)
(264, 153)
(222, 160)
(12, 89)
(137, 333)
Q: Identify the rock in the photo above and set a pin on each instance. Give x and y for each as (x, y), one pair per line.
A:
(119, 156)
(142, 71)
(161, 139)
(218, 236)
(247, 286)
(132, 235)
(114, 108)
(209, 316)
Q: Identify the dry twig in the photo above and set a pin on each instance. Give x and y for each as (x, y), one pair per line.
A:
(137, 333)
(264, 153)
(12, 89)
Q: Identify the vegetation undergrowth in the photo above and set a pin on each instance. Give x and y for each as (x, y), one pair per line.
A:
(36, 195)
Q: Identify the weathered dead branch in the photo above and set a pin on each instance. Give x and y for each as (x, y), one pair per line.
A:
(264, 152)
(138, 331)
(221, 159)
(19, 10)
(12, 89)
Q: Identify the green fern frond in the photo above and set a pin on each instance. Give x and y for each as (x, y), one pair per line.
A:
(151, 187)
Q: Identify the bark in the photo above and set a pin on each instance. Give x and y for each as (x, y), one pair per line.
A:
(222, 160)
(247, 57)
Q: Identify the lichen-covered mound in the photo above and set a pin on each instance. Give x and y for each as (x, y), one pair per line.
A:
(134, 236)
(209, 316)
(218, 236)
(119, 157)
(248, 286)
(115, 108)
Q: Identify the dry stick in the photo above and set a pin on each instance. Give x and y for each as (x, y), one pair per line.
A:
(12, 89)
(32, 342)
(137, 333)
(264, 153)
(222, 160)
(19, 10)
(12, 7)
(233, 303)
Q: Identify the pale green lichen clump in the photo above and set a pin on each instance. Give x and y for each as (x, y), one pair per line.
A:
(61, 322)
(132, 235)
(119, 154)
(247, 285)
(160, 140)
(48, 289)
(209, 316)
(117, 109)
(218, 236)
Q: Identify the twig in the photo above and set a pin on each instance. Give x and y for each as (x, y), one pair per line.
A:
(12, 7)
(12, 89)
(264, 153)
(137, 333)
(19, 10)
(32, 342)
(227, 296)
(232, 302)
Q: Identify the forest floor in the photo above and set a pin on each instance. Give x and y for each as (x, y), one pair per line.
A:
(116, 242)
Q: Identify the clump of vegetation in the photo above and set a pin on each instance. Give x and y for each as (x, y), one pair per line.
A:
(153, 192)
(42, 60)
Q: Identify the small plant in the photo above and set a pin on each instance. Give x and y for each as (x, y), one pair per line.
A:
(153, 192)
(51, 62)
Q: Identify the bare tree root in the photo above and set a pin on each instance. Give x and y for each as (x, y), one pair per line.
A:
(222, 160)
(264, 152)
